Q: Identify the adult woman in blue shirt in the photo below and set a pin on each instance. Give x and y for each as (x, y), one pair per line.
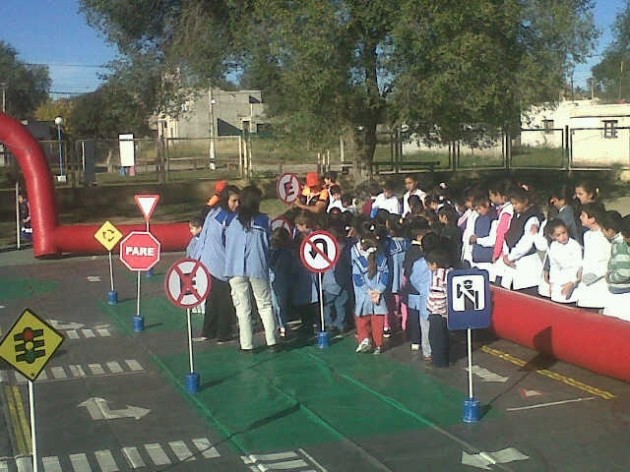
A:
(247, 267)
(210, 250)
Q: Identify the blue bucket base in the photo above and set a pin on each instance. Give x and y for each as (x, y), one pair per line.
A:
(138, 324)
(193, 381)
(112, 297)
(323, 339)
(472, 410)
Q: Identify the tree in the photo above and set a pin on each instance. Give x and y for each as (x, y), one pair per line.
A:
(331, 67)
(611, 75)
(25, 86)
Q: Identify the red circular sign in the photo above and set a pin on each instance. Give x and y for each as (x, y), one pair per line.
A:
(288, 188)
(187, 283)
(319, 251)
(140, 250)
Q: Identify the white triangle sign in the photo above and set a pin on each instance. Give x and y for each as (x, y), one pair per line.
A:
(147, 204)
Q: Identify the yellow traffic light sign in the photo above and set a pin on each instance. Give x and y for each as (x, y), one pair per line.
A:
(29, 344)
(108, 235)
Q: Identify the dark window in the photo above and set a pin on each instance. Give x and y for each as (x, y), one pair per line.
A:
(610, 129)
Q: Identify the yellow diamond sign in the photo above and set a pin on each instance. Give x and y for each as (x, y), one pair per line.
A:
(108, 235)
(29, 344)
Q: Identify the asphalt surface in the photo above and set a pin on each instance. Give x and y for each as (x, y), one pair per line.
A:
(110, 399)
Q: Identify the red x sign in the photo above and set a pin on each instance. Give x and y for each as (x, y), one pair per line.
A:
(187, 283)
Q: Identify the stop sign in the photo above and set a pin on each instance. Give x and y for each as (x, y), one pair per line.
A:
(139, 250)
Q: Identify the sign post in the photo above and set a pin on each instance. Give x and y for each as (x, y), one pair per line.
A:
(469, 307)
(108, 235)
(319, 253)
(27, 347)
(139, 251)
(147, 204)
(188, 283)
(288, 188)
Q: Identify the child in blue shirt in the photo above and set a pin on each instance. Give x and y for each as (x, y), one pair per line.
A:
(336, 285)
(370, 277)
(280, 276)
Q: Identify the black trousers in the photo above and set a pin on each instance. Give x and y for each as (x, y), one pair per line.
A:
(439, 340)
(414, 331)
(220, 313)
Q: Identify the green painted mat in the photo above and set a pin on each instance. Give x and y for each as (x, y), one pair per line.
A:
(159, 315)
(303, 396)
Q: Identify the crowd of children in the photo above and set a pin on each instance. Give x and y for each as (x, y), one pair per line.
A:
(396, 254)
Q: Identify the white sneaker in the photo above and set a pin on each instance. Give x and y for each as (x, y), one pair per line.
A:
(364, 346)
(415, 347)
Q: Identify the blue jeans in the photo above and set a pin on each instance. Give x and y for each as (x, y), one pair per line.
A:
(337, 304)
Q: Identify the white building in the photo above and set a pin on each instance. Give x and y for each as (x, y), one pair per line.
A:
(598, 134)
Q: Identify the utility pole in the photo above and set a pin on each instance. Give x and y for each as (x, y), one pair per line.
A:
(620, 77)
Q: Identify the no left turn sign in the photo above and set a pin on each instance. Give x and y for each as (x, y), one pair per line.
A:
(319, 251)
(187, 283)
(288, 188)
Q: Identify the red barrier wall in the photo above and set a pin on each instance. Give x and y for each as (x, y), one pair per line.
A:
(590, 340)
(49, 238)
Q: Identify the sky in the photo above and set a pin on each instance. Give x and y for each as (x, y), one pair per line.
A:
(54, 33)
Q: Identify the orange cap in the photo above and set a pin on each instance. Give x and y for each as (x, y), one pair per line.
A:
(312, 179)
(220, 185)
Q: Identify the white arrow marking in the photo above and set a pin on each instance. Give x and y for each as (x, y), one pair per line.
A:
(94, 278)
(61, 326)
(543, 405)
(99, 410)
(484, 459)
(486, 375)
(529, 393)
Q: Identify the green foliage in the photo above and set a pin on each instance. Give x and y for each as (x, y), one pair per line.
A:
(340, 67)
(25, 86)
(611, 75)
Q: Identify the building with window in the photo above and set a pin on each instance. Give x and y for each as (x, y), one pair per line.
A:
(597, 134)
(214, 113)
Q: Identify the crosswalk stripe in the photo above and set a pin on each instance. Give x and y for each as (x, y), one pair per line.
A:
(51, 464)
(77, 371)
(286, 465)
(133, 364)
(4, 466)
(133, 457)
(72, 334)
(58, 372)
(88, 333)
(181, 451)
(43, 375)
(80, 463)
(96, 369)
(274, 456)
(114, 367)
(206, 449)
(103, 332)
(106, 461)
(157, 454)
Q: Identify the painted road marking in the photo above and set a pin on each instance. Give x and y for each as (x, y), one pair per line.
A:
(51, 464)
(157, 454)
(543, 405)
(552, 375)
(483, 460)
(287, 460)
(106, 461)
(76, 371)
(148, 456)
(87, 333)
(486, 375)
(134, 459)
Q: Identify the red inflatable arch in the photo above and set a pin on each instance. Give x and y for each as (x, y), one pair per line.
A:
(49, 237)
